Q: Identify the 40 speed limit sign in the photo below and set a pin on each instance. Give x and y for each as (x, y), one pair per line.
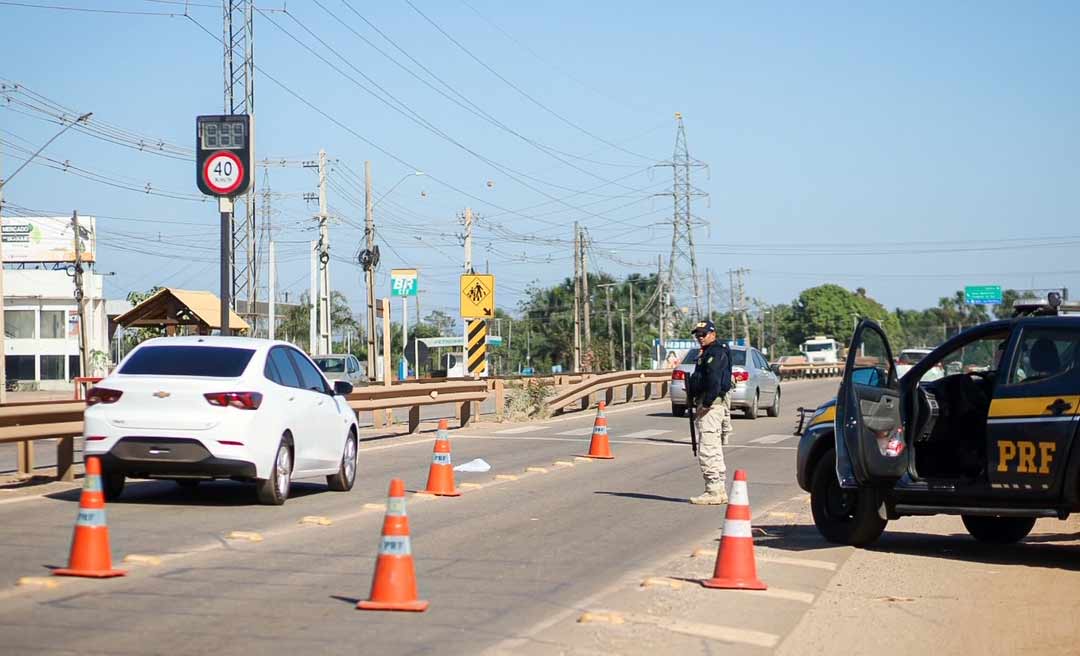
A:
(223, 173)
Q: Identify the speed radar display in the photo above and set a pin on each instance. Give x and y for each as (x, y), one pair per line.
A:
(223, 154)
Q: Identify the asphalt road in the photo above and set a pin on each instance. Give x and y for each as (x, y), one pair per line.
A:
(503, 562)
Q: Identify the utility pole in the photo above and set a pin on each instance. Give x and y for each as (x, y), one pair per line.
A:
(583, 243)
(324, 262)
(312, 318)
(633, 354)
(661, 300)
(622, 329)
(731, 287)
(271, 295)
(369, 267)
(577, 298)
(739, 292)
(610, 331)
(708, 292)
(80, 298)
(468, 269)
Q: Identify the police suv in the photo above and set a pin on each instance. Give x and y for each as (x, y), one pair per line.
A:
(993, 440)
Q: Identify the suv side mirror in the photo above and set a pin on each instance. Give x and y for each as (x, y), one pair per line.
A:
(775, 368)
(342, 388)
(868, 376)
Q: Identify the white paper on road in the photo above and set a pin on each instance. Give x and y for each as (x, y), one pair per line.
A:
(478, 465)
(647, 433)
(771, 439)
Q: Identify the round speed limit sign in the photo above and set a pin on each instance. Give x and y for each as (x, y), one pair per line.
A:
(223, 172)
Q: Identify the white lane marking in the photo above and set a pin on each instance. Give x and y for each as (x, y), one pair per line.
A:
(708, 631)
(766, 556)
(519, 429)
(577, 432)
(771, 439)
(647, 433)
(789, 595)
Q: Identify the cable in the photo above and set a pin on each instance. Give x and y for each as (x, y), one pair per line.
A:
(91, 10)
(519, 89)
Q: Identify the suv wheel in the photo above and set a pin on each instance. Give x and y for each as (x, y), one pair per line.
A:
(998, 530)
(774, 409)
(843, 516)
(678, 409)
(274, 490)
(343, 480)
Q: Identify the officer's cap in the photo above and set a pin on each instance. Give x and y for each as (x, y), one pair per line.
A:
(704, 327)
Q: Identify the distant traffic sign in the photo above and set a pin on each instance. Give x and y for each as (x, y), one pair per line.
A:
(223, 172)
(403, 282)
(982, 294)
(223, 154)
(477, 296)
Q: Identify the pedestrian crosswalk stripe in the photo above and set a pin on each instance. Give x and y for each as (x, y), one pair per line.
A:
(771, 439)
(519, 429)
(647, 433)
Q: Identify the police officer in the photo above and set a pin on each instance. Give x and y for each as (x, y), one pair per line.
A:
(709, 386)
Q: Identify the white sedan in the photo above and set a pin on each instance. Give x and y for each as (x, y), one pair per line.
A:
(200, 408)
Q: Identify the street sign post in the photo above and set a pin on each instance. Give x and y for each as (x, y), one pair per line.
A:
(223, 163)
(982, 294)
(477, 296)
(403, 284)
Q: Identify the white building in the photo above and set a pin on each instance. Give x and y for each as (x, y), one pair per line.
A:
(41, 325)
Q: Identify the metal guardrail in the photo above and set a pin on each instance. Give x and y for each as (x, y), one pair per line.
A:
(582, 392)
(23, 423)
(812, 371)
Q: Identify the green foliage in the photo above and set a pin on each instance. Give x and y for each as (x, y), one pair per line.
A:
(530, 400)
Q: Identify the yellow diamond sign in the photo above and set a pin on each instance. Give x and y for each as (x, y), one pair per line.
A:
(477, 296)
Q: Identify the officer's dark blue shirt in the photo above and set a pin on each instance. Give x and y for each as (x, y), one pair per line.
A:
(712, 375)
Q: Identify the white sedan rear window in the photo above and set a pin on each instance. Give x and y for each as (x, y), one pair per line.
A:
(211, 361)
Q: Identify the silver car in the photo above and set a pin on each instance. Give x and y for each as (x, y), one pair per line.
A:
(756, 386)
(341, 367)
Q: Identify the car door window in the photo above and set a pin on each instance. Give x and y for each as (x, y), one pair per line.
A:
(310, 378)
(1044, 354)
(286, 373)
(350, 365)
(760, 360)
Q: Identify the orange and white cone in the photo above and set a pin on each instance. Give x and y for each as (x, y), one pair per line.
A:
(394, 585)
(735, 566)
(90, 555)
(440, 480)
(599, 447)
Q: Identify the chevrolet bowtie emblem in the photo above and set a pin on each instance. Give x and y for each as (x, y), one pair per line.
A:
(162, 395)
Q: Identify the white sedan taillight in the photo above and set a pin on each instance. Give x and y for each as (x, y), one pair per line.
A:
(102, 395)
(241, 400)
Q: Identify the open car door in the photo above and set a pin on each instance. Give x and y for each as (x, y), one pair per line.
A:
(871, 449)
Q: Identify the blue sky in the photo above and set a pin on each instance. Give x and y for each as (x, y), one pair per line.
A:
(903, 147)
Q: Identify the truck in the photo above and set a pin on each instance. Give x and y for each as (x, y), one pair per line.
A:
(821, 350)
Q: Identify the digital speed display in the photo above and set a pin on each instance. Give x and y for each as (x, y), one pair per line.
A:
(229, 135)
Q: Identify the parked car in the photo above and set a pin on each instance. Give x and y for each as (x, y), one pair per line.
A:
(910, 357)
(341, 367)
(755, 384)
(201, 408)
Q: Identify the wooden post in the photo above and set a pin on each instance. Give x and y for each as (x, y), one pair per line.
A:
(465, 409)
(586, 401)
(500, 398)
(387, 364)
(65, 459)
(414, 418)
(25, 457)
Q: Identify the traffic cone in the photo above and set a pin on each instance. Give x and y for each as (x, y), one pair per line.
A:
(90, 543)
(735, 567)
(599, 447)
(440, 479)
(394, 585)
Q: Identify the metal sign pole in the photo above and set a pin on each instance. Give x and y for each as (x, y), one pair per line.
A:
(225, 206)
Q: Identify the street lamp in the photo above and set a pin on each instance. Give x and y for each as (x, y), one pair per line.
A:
(3, 183)
(395, 186)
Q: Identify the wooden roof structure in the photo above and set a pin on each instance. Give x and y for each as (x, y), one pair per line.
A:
(170, 308)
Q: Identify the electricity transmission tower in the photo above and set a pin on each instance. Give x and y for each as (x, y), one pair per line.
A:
(240, 99)
(683, 256)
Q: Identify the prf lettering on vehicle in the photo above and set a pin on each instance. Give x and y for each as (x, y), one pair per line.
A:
(1025, 457)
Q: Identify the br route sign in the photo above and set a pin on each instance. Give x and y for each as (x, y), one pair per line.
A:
(403, 282)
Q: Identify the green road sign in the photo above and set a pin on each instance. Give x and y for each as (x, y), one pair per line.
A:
(403, 282)
(982, 294)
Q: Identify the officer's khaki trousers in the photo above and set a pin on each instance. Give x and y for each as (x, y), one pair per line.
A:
(710, 446)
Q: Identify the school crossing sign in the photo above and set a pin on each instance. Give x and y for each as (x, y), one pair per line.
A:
(477, 296)
(403, 282)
